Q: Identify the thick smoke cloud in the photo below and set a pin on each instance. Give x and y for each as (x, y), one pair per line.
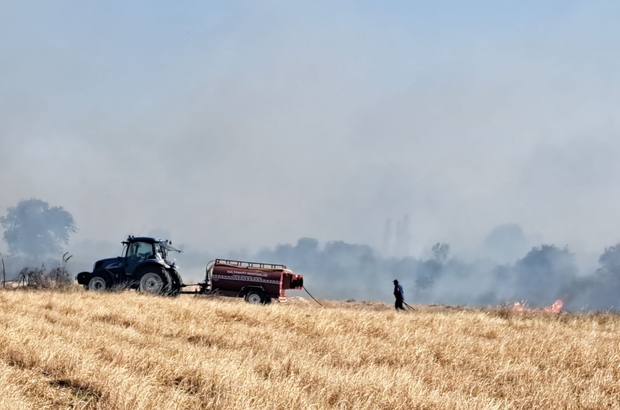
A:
(248, 124)
(234, 126)
(341, 270)
(544, 274)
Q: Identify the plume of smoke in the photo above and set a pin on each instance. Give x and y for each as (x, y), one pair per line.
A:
(545, 273)
(341, 270)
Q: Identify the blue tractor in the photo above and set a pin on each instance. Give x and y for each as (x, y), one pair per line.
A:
(144, 266)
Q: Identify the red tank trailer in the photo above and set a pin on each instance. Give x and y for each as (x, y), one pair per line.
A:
(256, 282)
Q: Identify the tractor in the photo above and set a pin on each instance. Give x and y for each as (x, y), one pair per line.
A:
(144, 266)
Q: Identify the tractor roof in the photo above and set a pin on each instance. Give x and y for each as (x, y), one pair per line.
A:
(148, 239)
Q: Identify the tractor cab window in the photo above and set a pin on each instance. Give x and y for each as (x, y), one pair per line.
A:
(161, 251)
(140, 250)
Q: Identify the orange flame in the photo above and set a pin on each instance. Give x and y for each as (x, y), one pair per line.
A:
(555, 308)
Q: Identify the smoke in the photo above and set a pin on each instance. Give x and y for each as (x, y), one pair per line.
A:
(243, 125)
(341, 270)
(544, 274)
(397, 240)
(505, 243)
(238, 125)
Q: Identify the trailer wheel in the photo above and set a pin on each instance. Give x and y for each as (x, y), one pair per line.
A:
(255, 296)
(155, 282)
(98, 283)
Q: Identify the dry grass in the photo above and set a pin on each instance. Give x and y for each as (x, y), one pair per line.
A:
(130, 351)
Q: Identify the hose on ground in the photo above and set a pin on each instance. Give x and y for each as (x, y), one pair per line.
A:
(312, 296)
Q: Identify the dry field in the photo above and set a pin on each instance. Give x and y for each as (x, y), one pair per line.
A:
(131, 351)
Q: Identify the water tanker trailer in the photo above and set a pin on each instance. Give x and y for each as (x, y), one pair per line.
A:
(255, 281)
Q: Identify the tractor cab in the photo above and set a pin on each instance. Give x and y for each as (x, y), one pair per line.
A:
(137, 250)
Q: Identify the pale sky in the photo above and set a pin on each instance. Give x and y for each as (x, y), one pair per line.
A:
(251, 123)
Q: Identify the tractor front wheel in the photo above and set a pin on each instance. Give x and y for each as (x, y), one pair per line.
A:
(98, 283)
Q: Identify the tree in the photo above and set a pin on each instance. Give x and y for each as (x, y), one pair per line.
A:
(610, 261)
(34, 228)
(441, 251)
(544, 272)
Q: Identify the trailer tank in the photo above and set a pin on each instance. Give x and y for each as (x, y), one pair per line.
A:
(255, 281)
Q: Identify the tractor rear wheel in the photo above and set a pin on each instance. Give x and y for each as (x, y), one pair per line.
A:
(98, 283)
(255, 296)
(154, 281)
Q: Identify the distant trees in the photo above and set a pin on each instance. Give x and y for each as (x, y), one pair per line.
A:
(546, 261)
(34, 228)
(427, 272)
(610, 262)
(441, 251)
(607, 279)
(543, 273)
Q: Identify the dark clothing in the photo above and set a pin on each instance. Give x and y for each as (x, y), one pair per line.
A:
(399, 304)
(399, 294)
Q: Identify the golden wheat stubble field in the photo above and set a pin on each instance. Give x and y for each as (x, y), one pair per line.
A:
(131, 351)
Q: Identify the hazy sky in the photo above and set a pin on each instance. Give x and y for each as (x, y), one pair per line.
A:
(246, 124)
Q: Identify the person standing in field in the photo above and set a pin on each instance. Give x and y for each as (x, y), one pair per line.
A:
(399, 294)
